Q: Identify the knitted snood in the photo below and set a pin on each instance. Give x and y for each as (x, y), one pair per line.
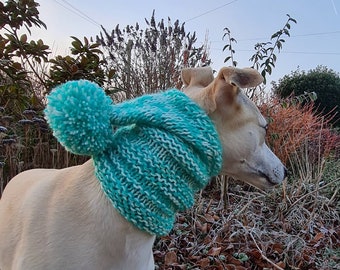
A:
(151, 154)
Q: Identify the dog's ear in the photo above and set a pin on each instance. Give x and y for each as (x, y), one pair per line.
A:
(210, 93)
(242, 78)
(228, 82)
(201, 76)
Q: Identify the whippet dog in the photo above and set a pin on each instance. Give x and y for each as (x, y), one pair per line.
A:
(61, 219)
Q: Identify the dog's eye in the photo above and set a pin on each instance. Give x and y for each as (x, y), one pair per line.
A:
(265, 128)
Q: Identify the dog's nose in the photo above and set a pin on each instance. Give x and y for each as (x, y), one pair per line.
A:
(285, 172)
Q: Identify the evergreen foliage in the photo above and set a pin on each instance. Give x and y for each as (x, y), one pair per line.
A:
(323, 81)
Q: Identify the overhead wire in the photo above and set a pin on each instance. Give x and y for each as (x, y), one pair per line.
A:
(254, 39)
(289, 52)
(209, 11)
(291, 36)
(77, 11)
(314, 53)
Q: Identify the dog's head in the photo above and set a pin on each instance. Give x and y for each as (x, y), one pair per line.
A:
(240, 125)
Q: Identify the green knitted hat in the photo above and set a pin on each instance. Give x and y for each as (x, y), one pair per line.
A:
(151, 154)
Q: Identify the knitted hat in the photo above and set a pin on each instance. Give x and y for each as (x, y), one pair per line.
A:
(151, 154)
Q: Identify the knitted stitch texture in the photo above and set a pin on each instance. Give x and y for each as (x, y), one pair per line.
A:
(151, 154)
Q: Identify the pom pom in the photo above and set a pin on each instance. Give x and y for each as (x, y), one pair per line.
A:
(79, 114)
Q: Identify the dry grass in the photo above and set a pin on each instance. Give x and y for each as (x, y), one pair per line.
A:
(26, 142)
(295, 226)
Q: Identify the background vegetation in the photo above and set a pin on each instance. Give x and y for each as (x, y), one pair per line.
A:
(232, 226)
(324, 82)
(146, 60)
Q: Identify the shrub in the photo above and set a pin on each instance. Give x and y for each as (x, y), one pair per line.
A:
(321, 80)
(293, 126)
(27, 143)
(150, 59)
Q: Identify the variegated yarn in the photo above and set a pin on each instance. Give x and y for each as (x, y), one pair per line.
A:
(151, 154)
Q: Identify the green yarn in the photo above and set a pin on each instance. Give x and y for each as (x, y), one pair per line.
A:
(79, 114)
(151, 154)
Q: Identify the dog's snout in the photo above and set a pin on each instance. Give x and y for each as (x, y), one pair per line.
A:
(285, 172)
(279, 173)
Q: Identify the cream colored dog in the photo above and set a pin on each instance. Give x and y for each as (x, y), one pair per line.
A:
(61, 219)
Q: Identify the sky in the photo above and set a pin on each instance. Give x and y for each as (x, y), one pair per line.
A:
(315, 39)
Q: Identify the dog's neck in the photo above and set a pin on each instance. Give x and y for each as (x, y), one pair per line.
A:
(202, 96)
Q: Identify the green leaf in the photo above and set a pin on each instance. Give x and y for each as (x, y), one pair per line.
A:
(274, 35)
(241, 256)
(94, 45)
(76, 44)
(269, 69)
(23, 38)
(313, 96)
(292, 20)
(226, 47)
(227, 59)
(274, 57)
(274, 136)
(279, 45)
(111, 73)
(17, 66)
(86, 42)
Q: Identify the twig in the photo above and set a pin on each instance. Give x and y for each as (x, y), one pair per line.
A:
(317, 190)
(314, 191)
(259, 249)
(262, 255)
(333, 196)
(209, 204)
(250, 202)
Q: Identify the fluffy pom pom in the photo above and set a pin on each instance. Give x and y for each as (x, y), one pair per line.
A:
(79, 114)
